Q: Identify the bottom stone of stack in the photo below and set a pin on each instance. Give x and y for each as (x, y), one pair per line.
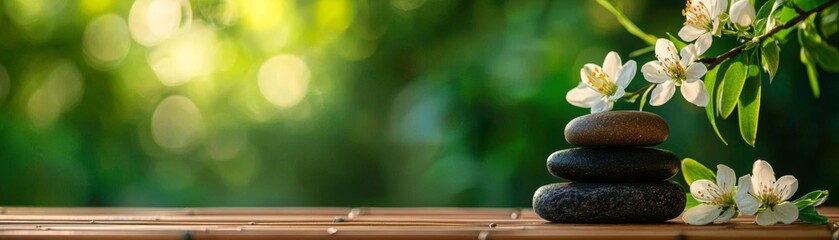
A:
(576, 202)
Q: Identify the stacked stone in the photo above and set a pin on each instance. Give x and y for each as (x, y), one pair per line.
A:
(616, 176)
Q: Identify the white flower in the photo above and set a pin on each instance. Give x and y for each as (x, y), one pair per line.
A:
(702, 20)
(760, 193)
(601, 87)
(742, 13)
(676, 69)
(717, 199)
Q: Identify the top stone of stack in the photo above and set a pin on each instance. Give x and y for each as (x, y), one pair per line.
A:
(617, 129)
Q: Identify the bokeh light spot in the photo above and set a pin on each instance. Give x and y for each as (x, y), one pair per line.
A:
(334, 15)
(94, 7)
(153, 21)
(188, 56)
(284, 80)
(38, 19)
(60, 91)
(106, 40)
(29, 12)
(271, 24)
(177, 124)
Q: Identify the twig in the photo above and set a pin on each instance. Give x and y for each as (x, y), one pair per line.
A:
(634, 94)
(797, 8)
(712, 62)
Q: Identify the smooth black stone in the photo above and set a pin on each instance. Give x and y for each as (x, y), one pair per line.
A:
(609, 203)
(613, 164)
(616, 129)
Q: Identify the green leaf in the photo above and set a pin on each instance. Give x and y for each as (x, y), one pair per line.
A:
(710, 82)
(825, 55)
(812, 74)
(676, 41)
(770, 54)
(693, 170)
(783, 35)
(691, 201)
(734, 78)
(787, 12)
(762, 14)
(830, 21)
(626, 23)
(809, 4)
(764, 10)
(811, 215)
(784, 15)
(803, 204)
(748, 108)
(812, 198)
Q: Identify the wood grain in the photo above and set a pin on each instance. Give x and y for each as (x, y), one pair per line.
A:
(363, 223)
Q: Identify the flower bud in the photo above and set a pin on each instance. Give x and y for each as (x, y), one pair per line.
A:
(742, 13)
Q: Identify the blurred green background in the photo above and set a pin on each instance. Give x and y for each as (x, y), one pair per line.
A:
(341, 102)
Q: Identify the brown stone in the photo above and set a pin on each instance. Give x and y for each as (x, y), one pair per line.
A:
(577, 202)
(618, 164)
(617, 129)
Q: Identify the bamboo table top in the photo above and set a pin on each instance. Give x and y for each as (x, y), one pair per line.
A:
(364, 223)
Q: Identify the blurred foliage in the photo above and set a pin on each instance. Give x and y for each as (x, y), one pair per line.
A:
(339, 102)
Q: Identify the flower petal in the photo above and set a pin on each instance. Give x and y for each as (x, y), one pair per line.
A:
(655, 72)
(703, 43)
(766, 218)
(725, 178)
(666, 52)
(744, 184)
(662, 93)
(715, 30)
(688, 54)
(747, 203)
(786, 212)
(785, 187)
(587, 74)
(696, 93)
(742, 13)
(719, 8)
(583, 96)
(704, 190)
(619, 92)
(695, 71)
(725, 216)
(601, 106)
(626, 74)
(691, 32)
(612, 65)
(701, 214)
(763, 177)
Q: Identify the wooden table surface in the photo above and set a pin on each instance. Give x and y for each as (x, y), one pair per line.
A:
(364, 223)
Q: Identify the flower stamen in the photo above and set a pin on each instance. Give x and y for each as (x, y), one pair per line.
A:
(698, 15)
(601, 82)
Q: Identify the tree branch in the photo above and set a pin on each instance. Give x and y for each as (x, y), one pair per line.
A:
(712, 62)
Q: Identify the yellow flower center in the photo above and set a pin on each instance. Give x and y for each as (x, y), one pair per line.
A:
(768, 196)
(697, 15)
(599, 80)
(677, 72)
(674, 68)
(722, 199)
